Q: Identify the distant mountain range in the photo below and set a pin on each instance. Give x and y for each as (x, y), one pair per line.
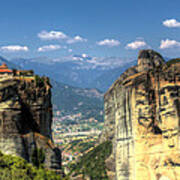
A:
(78, 70)
(68, 99)
(78, 81)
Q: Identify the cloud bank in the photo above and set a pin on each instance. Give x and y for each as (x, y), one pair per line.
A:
(136, 44)
(58, 35)
(108, 42)
(165, 44)
(14, 48)
(76, 39)
(171, 23)
(49, 48)
(52, 35)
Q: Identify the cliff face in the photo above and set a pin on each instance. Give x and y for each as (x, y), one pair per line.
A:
(25, 119)
(142, 116)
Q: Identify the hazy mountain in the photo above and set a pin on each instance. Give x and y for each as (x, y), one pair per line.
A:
(9, 64)
(105, 80)
(78, 70)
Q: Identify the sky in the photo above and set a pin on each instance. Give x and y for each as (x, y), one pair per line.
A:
(101, 28)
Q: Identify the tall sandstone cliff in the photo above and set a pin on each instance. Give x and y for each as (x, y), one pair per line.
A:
(142, 118)
(25, 119)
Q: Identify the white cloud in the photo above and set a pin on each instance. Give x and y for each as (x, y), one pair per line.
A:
(49, 48)
(108, 42)
(136, 44)
(58, 35)
(76, 39)
(14, 48)
(169, 44)
(52, 35)
(171, 23)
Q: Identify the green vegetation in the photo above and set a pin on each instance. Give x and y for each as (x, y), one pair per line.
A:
(84, 146)
(39, 81)
(172, 61)
(26, 73)
(80, 146)
(16, 168)
(38, 157)
(74, 143)
(14, 71)
(92, 164)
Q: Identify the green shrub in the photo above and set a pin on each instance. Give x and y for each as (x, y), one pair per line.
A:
(38, 157)
(16, 168)
(39, 81)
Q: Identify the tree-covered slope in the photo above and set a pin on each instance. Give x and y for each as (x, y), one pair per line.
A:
(16, 168)
(92, 164)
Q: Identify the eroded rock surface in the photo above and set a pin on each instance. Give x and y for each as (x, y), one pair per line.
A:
(142, 114)
(26, 117)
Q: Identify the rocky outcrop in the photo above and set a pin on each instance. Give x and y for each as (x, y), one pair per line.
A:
(149, 59)
(25, 119)
(142, 117)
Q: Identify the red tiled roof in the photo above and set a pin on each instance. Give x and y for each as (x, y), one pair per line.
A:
(6, 70)
(3, 66)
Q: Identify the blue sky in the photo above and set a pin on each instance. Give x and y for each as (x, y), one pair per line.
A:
(54, 28)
